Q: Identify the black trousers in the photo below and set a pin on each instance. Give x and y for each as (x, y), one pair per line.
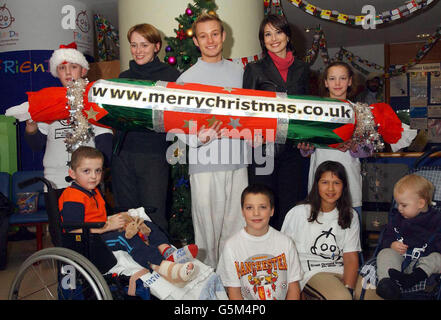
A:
(141, 180)
(288, 181)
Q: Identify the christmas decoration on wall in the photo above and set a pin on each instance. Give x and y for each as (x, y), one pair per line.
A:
(319, 46)
(272, 6)
(408, 9)
(107, 39)
(352, 57)
(180, 51)
(428, 45)
(245, 60)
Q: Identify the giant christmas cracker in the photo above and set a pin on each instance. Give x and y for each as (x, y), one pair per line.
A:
(126, 104)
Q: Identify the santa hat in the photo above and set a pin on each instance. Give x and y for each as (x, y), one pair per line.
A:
(65, 54)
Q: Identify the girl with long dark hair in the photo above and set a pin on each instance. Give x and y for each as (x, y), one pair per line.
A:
(326, 232)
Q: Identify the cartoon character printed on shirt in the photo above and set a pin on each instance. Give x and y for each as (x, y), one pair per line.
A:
(325, 246)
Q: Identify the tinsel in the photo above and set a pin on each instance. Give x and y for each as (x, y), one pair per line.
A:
(82, 131)
(366, 130)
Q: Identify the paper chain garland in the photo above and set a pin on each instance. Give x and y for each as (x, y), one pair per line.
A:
(319, 45)
(431, 41)
(404, 11)
(105, 29)
(245, 60)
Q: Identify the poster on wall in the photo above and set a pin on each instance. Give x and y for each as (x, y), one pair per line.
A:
(434, 123)
(418, 117)
(398, 86)
(434, 130)
(435, 87)
(45, 24)
(418, 89)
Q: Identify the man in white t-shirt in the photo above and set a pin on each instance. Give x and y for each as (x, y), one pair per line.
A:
(215, 184)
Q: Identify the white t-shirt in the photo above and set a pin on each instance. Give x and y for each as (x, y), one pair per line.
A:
(351, 164)
(56, 157)
(261, 266)
(320, 245)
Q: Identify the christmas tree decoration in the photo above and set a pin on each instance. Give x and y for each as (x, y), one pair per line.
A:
(107, 39)
(183, 42)
(171, 60)
(406, 10)
(186, 59)
(180, 222)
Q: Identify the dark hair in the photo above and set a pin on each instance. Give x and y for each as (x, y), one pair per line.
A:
(257, 189)
(344, 204)
(84, 152)
(278, 22)
(324, 76)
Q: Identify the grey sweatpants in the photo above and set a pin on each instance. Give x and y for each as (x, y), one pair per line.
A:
(390, 259)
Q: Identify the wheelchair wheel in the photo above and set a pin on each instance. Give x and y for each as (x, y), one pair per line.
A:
(58, 273)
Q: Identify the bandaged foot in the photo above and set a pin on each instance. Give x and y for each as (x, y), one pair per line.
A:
(181, 255)
(175, 272)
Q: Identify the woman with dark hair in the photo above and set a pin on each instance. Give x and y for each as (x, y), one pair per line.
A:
(279, 71)
(325, 230)
(140, 171)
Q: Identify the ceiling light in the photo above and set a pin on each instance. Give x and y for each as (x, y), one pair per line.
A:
(423, 35)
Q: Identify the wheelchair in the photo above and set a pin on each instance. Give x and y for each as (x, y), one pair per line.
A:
(73, 269)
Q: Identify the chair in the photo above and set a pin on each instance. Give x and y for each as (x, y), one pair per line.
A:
(5, 184)
(37, 219)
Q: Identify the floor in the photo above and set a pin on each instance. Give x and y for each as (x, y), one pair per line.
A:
(18, 252)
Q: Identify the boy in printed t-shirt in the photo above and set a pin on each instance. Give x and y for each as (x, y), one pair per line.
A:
(259, 262)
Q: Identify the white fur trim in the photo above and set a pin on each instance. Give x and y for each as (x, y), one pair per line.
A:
(68, 55)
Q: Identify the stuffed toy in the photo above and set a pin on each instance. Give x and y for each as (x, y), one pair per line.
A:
(170, 270)
(135, 226)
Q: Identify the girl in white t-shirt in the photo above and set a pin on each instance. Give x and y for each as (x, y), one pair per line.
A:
(337, 80)
(259, 262)
(325, 231)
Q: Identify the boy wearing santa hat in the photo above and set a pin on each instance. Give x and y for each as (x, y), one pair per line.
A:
(67, 64)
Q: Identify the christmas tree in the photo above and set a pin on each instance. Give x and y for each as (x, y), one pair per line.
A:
(181, 51)
(181, 223)
(182, 54)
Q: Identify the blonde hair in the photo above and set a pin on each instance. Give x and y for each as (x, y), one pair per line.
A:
(422, 187)
(149, 32)
(204, 17)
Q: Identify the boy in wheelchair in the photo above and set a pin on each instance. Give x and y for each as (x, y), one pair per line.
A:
(83, 202)
(412, 239)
